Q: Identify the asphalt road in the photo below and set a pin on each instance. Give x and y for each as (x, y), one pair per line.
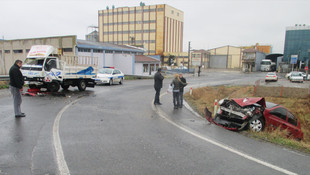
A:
(117, 130)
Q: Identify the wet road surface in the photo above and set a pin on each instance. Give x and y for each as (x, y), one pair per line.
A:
(117, 130)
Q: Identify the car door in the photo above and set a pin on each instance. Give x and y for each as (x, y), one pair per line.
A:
(115, 76)
(292, 125)
(278, 117)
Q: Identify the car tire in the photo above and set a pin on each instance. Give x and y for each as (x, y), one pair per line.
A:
(111, 82)
(65, 87)
(257, 124)
(53, 86)
(82, 85)
(121, 81)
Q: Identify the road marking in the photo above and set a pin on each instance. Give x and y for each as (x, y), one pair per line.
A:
(60, 158)
(163, 115)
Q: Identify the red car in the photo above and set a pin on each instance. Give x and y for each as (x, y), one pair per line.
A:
(255, 114)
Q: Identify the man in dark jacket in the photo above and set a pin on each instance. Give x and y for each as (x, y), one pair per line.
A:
(158, 84)
(182, 89)
(16, 87)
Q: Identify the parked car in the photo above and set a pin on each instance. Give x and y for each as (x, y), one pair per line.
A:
(271, 76)
(288, 75)
(255, 114)
(296, 77)
(109, 76)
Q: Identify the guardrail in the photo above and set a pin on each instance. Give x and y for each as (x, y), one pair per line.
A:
(4, 78)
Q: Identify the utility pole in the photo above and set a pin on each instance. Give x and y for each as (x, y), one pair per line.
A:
(189, 52)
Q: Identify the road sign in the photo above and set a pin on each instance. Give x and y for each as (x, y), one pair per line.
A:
(306, 68)
(294, 59)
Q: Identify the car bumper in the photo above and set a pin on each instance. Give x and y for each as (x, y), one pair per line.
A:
(102, 81)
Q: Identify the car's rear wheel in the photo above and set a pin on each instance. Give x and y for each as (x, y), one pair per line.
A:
(257, 124)
(121, 81)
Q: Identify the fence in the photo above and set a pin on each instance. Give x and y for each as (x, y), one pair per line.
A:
(281, 91)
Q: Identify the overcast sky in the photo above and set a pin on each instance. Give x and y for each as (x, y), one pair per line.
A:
(207, 23)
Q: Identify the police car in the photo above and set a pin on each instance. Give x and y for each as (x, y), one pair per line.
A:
(109, 76)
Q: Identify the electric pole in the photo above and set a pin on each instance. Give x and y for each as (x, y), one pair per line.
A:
(189, 52)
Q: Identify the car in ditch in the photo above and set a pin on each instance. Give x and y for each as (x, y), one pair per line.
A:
(256, 114)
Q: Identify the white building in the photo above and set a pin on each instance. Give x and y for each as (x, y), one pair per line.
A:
(108, 55)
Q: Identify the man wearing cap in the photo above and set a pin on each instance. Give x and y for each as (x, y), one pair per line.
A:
(158, 84)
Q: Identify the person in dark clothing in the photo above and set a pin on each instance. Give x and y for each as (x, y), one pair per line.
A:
(182, 89)
(199, 71)
(158, 84)
(16, 87)
(176, 83)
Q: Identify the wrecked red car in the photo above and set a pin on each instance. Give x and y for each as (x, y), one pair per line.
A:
(255, 114)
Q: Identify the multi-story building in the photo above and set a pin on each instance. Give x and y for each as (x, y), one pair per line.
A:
(297, 42)
(156, 28)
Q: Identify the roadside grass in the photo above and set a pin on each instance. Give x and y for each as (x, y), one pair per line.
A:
(134, 77)
(4, 84)
(205, 97)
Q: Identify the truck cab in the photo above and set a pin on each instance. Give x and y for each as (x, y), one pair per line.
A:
(44, 70)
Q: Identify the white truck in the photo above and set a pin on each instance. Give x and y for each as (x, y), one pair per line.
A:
(44, 69)
(267, 65)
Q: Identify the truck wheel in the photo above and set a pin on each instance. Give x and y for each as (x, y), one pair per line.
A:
(82, 85)
(65, 87)
(53, 86)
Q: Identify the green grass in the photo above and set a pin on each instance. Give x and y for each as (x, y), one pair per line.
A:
(4, 84)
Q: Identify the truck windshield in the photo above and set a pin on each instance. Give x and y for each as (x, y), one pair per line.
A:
(34, 61)
(265, 63)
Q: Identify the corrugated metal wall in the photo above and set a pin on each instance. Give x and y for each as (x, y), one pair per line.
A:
(218, 61)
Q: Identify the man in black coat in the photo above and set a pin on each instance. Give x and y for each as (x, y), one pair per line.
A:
(182, 89)
(158, 84)
(16, 87)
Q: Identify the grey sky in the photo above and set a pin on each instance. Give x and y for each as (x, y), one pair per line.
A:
(207, 23)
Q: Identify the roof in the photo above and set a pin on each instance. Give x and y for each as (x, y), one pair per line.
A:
(106, 46)
(250, 50)
(145, 59)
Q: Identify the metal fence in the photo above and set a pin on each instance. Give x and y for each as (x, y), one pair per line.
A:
(4, 78)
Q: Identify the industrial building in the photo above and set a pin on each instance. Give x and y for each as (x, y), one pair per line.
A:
(122, 57)
(226, 57)
(297, 42)
(156, 28)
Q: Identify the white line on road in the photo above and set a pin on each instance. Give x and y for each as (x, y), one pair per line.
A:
(163, 115)
(61, 162)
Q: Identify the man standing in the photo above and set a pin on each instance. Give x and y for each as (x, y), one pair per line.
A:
(158, 84)
(16, 87)
(183, 84)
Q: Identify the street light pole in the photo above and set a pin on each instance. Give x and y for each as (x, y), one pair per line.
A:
(189, 52)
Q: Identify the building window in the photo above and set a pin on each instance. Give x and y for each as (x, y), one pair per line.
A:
(98, 51)
(152, 67)
(18, 51)
(83, 50)
(145, 68)
(67, 49)
(7, 51)
(160, 9)
(178, 14)
(109, 51)
(172, 12)
(118, 52)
